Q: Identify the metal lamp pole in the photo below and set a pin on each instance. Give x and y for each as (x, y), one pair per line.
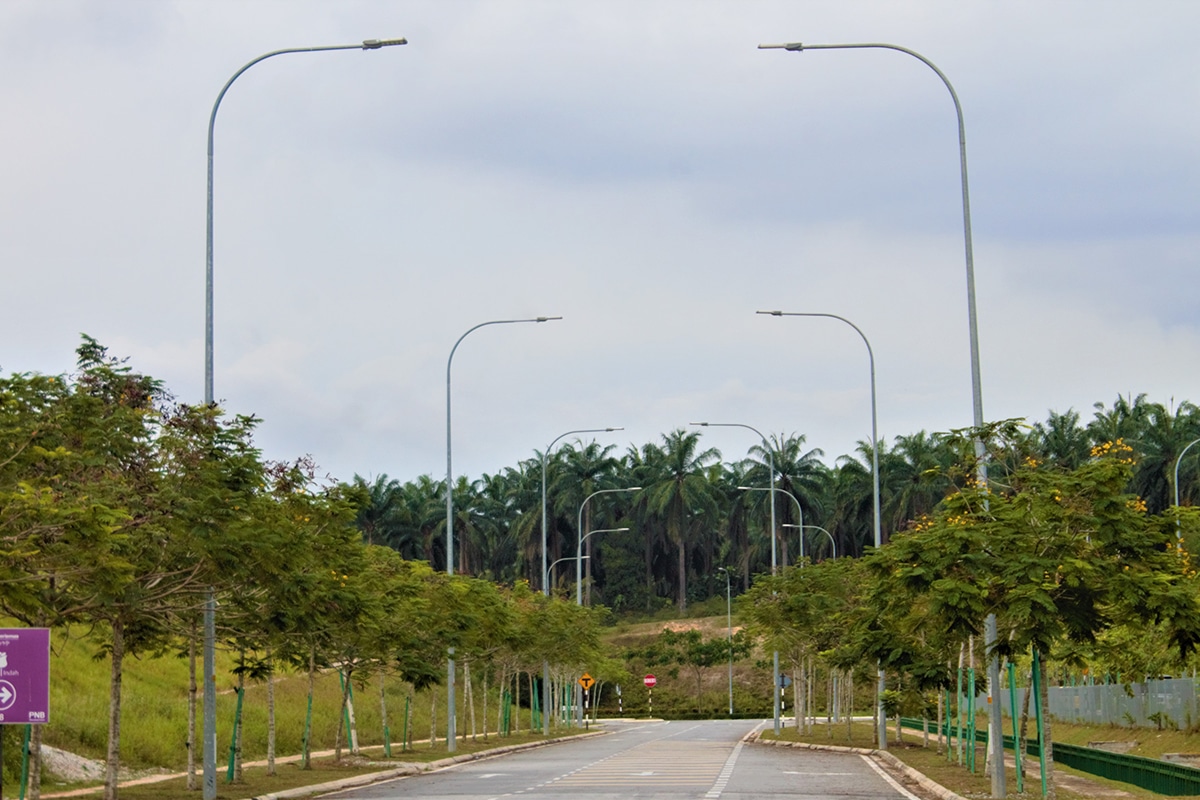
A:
(451, 722)
(546, 570)
(579, 555)
(995, 730)
(209, 647)
(729, 624)
(1178, 534)
(771, 465)
(580, 534)
(814, 527)
(882, 732)
(799, 510)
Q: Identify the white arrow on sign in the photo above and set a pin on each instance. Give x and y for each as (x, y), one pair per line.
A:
(8, 695)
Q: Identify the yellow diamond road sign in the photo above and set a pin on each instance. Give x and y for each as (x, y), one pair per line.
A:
(587, 682)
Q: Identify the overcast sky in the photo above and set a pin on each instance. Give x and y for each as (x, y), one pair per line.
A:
(639, 168)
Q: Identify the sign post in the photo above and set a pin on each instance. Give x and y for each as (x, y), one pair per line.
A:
(24, 677)
(650, 682)
(587, 682)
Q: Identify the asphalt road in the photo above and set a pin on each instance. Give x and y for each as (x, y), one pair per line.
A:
(651, 760)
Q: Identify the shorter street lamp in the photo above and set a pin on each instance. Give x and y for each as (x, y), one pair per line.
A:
(579, 544)
(801, 528)
(550, 569)
(799, 510)
(1178, 533)
(580, 555)
(729, 622)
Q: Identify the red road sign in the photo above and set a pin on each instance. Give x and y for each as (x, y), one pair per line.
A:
(649, 680)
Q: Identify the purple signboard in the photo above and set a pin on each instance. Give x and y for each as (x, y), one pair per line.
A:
(24, 676)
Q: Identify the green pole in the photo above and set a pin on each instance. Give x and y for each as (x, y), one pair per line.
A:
(308, 733)
(958, 709)
(1037, 708)
(346, 710)
(971, 719)
(1012, 705)
(25, 761)
(948, 724)
(537, 710)
(404, 743)
(237, 723)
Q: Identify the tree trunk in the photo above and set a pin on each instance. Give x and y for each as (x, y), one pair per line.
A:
(798, 709)
(433, 718)
(237, 725)
(337, 740)
(1044, 700)
(35, 763)
(940, 720)
(306, 756)
(682, 548)
(113, 760)
(485, 697)
(469, 695)
(270, 714)
(191, 704)
(383, 714)
(500, 701)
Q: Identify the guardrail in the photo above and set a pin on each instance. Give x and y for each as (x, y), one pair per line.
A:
(1160, 777)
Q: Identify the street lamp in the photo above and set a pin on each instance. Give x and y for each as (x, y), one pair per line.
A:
(882, 733)
(729, 623)
(557, 561)
(1178, 533)
(580, 556)
(874, 413)
(771, 466)
(581, 537)
(451, 722)
(995, 731)
(815, 527)
(546, 571)
(799, 510)
(210, 604)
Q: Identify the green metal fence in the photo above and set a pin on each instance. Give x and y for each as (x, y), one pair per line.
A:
(1160, 777)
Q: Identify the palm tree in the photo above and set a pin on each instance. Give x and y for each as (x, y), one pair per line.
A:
(378, 515)
(681, 491)
(1062, 440)
(918, 478)
(581, 470)
(798, 472)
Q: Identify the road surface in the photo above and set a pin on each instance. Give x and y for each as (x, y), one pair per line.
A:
(650, 761)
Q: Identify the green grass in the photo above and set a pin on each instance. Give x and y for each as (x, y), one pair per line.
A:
(154, 710)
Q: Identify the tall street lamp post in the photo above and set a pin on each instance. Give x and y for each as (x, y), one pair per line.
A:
(729, 635)
(995, 731)
(451, 722)
(546, 570)
(771, 466)
(882, 720)
(209, 657)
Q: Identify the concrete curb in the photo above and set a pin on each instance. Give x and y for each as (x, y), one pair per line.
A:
(412, 768)
(925, 783)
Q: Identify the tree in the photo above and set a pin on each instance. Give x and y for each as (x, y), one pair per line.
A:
(680, 491)
(1058, 556)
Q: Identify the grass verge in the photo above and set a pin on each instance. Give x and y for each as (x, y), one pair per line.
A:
(950, 774)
